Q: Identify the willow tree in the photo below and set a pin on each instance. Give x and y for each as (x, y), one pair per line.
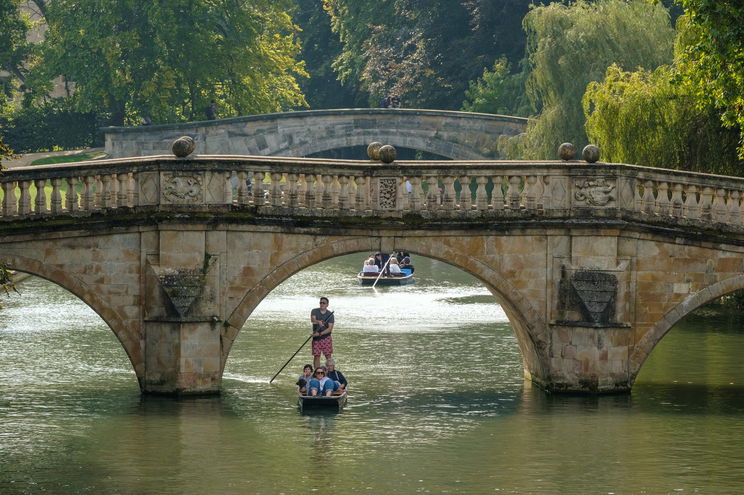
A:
(570, 46)
(713, 60)
(648, 118)
(169, 60)
(15, 48)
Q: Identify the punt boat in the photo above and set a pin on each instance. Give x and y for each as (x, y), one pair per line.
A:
(332, 403)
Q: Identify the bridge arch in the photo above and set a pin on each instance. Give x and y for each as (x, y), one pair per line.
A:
(127, 337)
(642, 350)
(452, 134)
(524, 319)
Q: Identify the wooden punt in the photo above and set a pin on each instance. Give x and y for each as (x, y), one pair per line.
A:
(369, 279)
(332, 403)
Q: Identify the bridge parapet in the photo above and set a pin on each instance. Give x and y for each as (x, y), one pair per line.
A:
(322, 187)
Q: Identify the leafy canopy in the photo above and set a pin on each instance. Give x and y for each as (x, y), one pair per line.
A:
(168, 60)
(570, 46)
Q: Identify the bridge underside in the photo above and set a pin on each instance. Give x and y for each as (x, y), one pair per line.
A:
(587, 305)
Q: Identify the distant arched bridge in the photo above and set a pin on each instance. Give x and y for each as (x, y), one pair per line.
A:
(455, 135)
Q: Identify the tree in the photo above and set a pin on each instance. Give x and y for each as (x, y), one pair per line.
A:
(168, 60)
(497, 91)
(713, 59)
(14, 47)
(570, 46)
(646, 117)
(424, 51)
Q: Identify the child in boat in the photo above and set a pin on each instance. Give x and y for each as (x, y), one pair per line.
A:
(304, 378)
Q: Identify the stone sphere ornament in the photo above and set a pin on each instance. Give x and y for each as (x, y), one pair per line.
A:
(373, 150)
(590, 153)
(387, 154)
(566, 151)
(183, 146)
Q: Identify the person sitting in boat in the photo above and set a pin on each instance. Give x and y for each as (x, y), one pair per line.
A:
(321, 384)
(304, 378)
(336, 376)
(370, 267)
(394, 268)
(405, 262)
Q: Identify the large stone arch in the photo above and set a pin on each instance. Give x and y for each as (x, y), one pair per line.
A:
(529, 326)
(643, 348)
(104, 309)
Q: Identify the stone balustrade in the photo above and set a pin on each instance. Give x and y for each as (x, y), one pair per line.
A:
(321, 187)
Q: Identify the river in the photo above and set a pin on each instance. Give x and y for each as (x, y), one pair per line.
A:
(437, 403)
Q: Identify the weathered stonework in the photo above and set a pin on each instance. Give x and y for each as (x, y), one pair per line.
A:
(458, 135)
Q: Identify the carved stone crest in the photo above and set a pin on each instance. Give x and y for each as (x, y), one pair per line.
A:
(388, 193)
(181, 188)
(596, 192)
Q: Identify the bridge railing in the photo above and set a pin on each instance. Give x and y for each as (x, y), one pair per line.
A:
(321, 187)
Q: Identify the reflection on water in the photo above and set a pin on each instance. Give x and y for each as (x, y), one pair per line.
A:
(437, 404)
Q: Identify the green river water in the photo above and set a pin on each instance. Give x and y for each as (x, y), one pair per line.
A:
(437, 404)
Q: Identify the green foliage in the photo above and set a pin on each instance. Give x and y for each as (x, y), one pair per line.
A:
(712, 60)
(49, 126)
(168, 60)
(497, 91)
(646, 118)
(425, 52)
(570, 46)
(14, 47)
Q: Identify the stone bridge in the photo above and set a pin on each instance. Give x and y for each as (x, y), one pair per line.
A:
(592, 263)
(456, 135)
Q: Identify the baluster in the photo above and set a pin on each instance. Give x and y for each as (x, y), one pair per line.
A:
(530, 193)
(134, 191)
(706, 200)
(243, 198)
(662, 199)
(481, 197)
(734, 208)
(544, 203)
(310, 190)
(71, 198)
(497, 195)
(41, 197)
(108, 197)
(677, 200)
(10, 202)
(691, 208)
(319, 189)
(513, 192)
(89, 195)
(638, 199)
(227, 194)
(466, 196)
(448, 200)
(98, 193)
(292, 194)
(258, 191)
(648, 202)
(432, 195)
(24, 204)
(56, 201)
(276, 191)
(122, 194)
(343, 193)
(326, 203)
(718, 209)
(416, 201)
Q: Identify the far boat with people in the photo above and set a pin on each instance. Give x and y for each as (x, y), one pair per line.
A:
(384, 269)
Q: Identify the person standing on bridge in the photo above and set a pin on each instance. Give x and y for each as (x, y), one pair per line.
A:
(322, 320)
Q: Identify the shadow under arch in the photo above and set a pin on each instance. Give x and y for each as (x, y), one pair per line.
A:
(642, 350)
(447, 149)
(80, 290)
(528, 325)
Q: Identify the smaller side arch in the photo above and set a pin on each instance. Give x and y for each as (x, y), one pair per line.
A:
(130, 341)
(642, 350)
